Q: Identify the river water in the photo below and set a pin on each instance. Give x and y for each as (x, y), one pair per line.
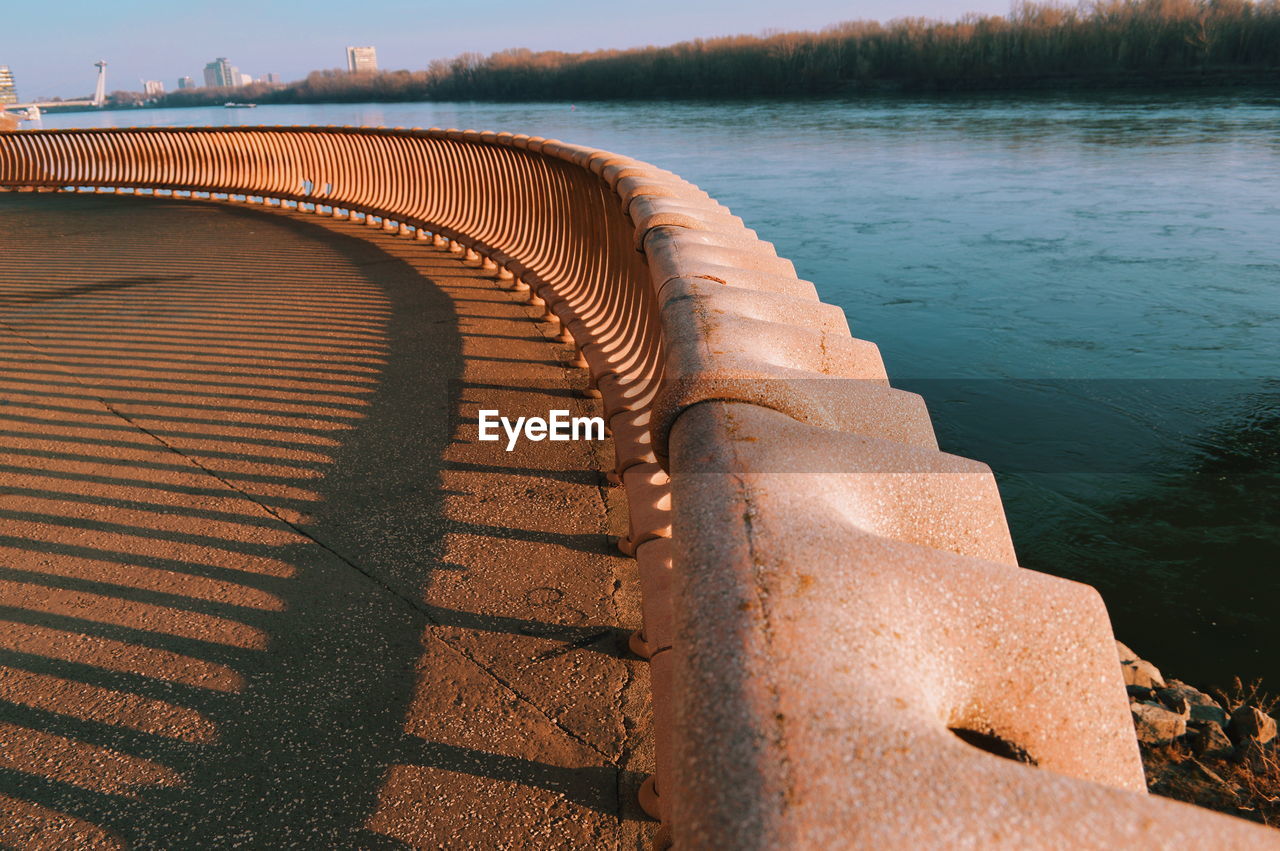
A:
(1086, 289)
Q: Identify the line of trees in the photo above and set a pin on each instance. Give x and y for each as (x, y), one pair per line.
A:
(1106, 42)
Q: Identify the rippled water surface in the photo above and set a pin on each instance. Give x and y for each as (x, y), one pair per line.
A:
(1085, 289)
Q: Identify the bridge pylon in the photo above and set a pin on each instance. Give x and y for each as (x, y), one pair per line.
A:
(100, 93)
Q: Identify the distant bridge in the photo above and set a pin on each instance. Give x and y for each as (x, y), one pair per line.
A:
(49, 104)
(98, 99)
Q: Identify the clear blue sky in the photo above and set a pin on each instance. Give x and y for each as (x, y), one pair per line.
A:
(51, 45)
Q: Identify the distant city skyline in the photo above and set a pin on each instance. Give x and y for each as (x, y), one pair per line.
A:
(52, 47)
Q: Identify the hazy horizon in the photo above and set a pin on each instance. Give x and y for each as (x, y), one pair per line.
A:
(153, 40)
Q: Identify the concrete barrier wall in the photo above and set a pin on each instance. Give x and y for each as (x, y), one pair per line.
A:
(844, 651)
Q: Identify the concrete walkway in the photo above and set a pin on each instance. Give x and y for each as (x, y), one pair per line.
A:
(259, 585)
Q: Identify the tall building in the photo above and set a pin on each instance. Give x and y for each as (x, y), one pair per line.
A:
(361, 59)
(186, 83)
(152, 88)
(273, 79)
(221, 74)
(8, 93)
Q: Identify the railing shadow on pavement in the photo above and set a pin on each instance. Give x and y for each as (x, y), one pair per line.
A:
(195, 466)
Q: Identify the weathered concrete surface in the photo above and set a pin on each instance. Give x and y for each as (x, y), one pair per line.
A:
(258, 583)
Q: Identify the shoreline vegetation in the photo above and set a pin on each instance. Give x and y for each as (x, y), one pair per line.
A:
(1095, 45)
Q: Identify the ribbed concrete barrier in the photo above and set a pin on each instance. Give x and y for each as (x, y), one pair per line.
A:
(844, 651)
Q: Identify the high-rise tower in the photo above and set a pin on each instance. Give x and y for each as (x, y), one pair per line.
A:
(8, 92)
(221, 74)
(361, 60)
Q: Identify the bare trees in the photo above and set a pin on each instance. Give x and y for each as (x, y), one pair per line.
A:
(1100, 41)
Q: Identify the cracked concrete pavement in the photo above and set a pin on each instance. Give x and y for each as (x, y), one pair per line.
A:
(259, 583)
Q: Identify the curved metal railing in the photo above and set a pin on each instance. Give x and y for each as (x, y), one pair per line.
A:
(832, 608)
